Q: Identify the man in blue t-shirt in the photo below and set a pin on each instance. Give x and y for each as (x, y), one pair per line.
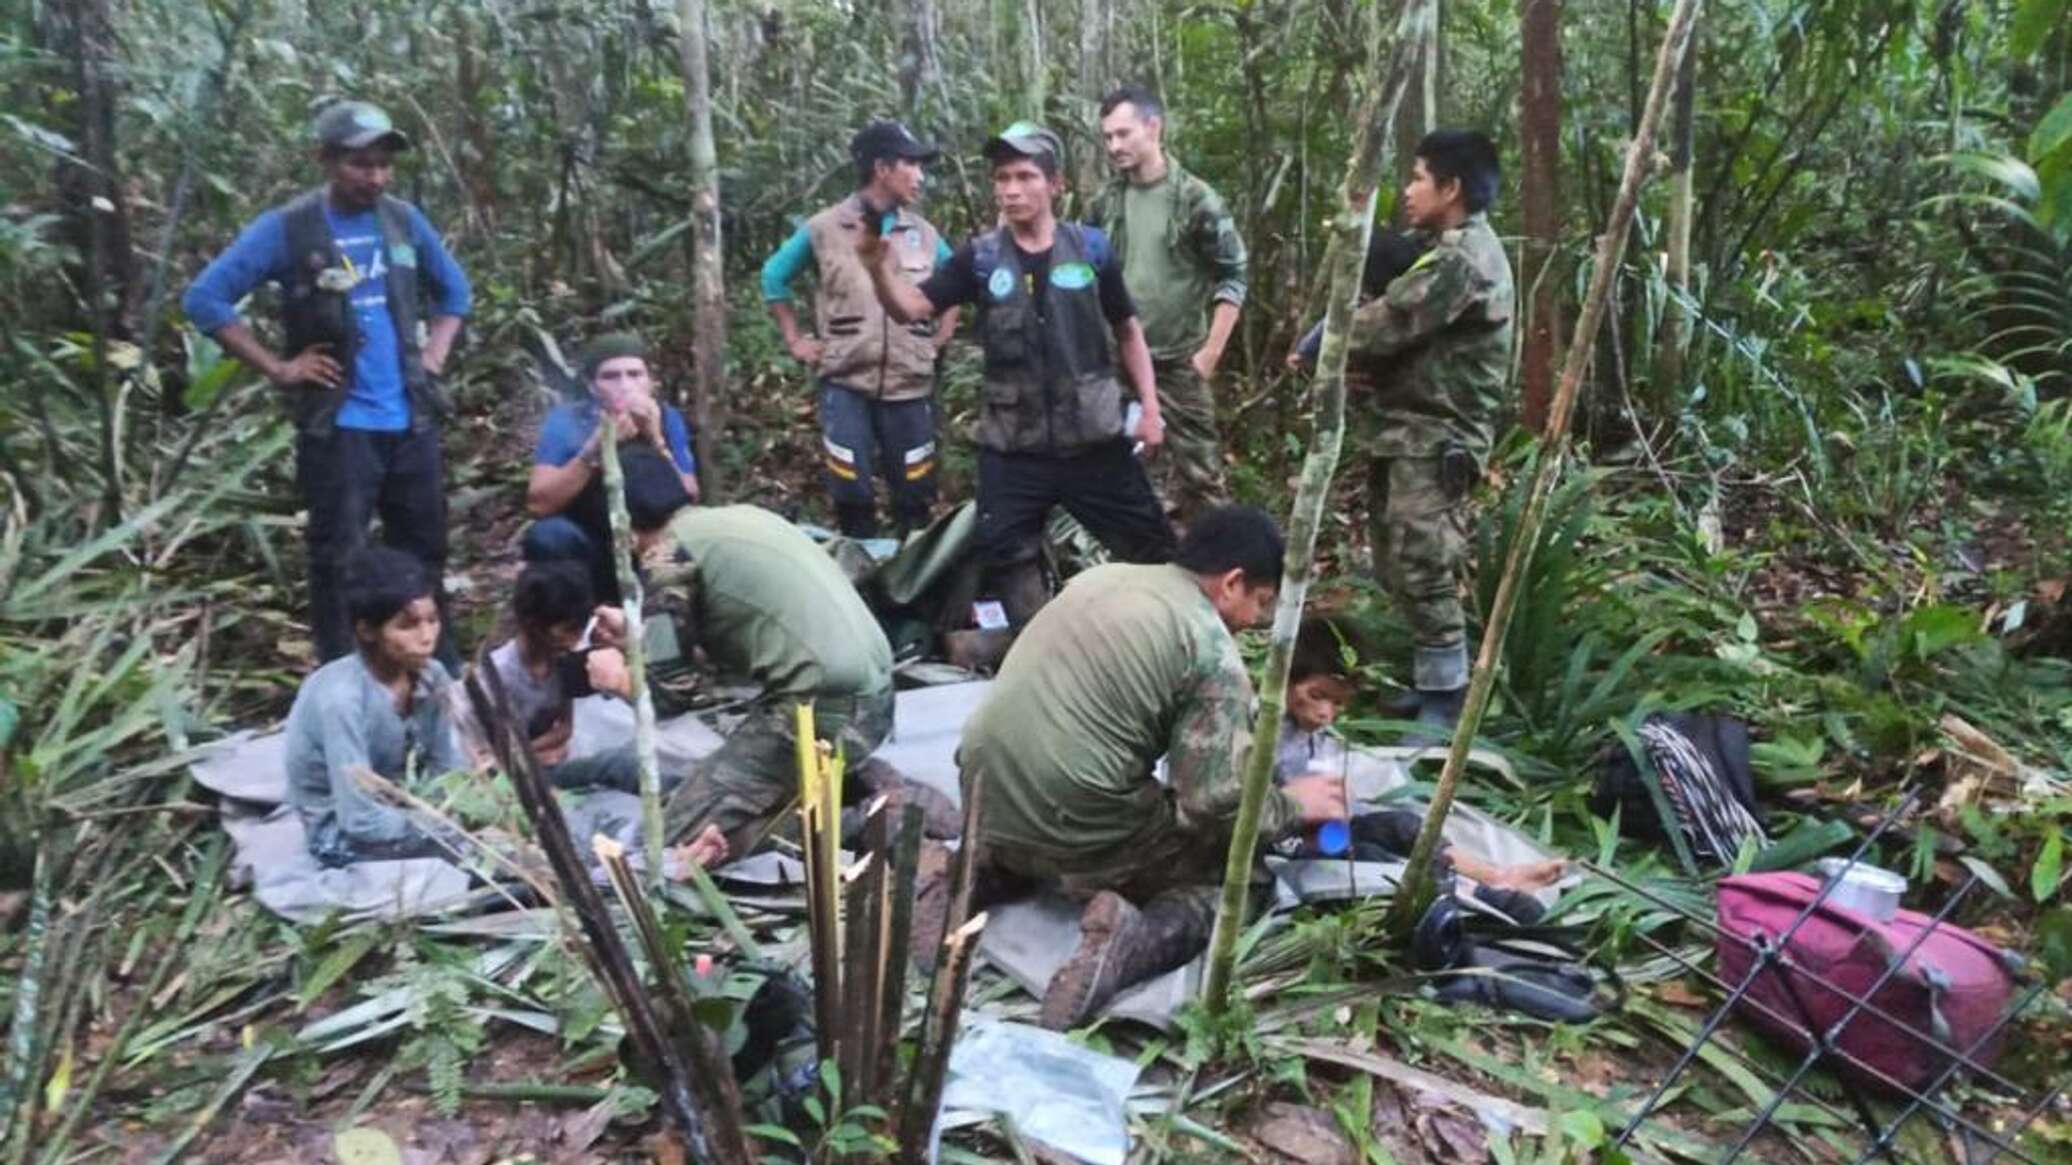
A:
(566, 490)
(371, 302)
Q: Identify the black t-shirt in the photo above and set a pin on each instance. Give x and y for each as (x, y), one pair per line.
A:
(956, 282)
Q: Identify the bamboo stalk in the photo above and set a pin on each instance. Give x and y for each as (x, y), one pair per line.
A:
(17, 1083)
(864, 887)
(606, 952)
(636, 656)
(932, 1060)
(1415, 891)
(712, 1077)
(893, 943)
(1416, 22)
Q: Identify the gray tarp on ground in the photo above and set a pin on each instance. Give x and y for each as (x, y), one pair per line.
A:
(1026, 940)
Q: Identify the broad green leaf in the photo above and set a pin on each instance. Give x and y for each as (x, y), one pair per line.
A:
(2033, 21)
(1987, 874)
(2054, 132)
(2049, 867)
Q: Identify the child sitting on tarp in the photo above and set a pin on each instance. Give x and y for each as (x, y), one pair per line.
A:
(543, 673)
(1320, 685)
(381, 710)
(544, 669)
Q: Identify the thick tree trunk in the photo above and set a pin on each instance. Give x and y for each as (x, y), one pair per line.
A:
(1415, 892)
(1540, 194)
(1416, 22)
(708, 287)
(1035, 77)
(1675, 338)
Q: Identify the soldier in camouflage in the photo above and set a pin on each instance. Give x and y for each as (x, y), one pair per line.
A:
(755, 600)
(1436, 349)
(1181, 254)
(1128, 664)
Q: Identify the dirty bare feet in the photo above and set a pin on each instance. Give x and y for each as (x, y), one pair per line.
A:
(1530, 876)
(704, 851)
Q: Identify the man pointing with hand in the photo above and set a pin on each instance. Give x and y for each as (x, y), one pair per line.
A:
(1055, 322)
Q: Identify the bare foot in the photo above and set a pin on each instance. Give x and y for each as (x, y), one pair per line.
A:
(1531, 876)
(706, 850)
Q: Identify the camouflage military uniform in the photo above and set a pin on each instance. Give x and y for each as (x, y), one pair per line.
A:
(1191, 257)
(1128, 664)
(1437, 346)
(763, 603)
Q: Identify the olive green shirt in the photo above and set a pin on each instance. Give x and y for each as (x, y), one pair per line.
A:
(1127, 665)
(1180, 252)
(1437, 344)
(764, 603)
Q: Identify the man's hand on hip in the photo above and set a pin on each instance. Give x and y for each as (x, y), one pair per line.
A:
(806, 350)
(312, 365)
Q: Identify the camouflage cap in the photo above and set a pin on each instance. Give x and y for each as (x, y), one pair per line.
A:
(1025, 139)
(354, 125)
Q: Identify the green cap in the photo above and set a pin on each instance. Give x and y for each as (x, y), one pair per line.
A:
(353, 125)
(1025, 139)
(611, 346)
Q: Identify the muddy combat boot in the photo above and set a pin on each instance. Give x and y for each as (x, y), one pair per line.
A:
(1440, 675)
(1120, 946)
(879, 778)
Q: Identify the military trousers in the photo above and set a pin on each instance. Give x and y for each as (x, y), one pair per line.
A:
(1418, 514)
(1189, 469)
(1166, 864)
(749, 780)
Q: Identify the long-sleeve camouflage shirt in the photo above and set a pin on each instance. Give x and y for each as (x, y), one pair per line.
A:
(1195, 258)
(763, 602)
(1437, 345)
(1128, 664)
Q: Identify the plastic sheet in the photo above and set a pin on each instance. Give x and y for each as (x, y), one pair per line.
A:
(1068, 1096)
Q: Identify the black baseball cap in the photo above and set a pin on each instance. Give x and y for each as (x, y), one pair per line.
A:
(354, 125)
(888, 140)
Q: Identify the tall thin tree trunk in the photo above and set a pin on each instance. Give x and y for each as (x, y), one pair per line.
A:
(1540, 194)
(1416, 23)
(921, 72)
(708, 287)
(1093, 80)
(1036, 78)
(1676, 334)
(1415, 891)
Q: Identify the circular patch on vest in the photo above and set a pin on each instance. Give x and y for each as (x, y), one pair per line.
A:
(1072, 276)
(1001, 285)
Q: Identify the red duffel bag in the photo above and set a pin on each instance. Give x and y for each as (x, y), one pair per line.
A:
(1951, 990)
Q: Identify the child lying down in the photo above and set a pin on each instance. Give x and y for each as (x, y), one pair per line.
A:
(1320, 684)
(386, 711)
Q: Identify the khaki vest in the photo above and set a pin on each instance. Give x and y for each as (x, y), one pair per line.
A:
(863, 349)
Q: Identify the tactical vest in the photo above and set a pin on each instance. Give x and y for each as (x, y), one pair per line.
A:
(862, 347)
(1050, 382)
(313, 314)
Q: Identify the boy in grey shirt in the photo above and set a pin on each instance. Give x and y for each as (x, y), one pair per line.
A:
(380, 710)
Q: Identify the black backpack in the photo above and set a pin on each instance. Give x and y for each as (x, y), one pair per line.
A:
(1692, 770)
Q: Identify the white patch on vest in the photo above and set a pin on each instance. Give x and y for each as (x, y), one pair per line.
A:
(1001, 285)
